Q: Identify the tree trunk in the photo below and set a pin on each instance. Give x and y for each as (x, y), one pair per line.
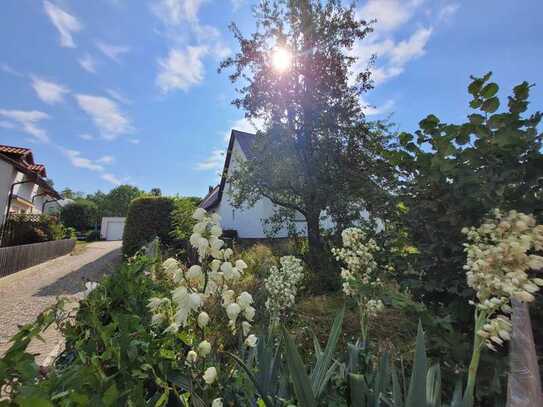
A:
(324, 277)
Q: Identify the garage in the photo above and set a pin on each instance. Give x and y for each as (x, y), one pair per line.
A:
(112, 228)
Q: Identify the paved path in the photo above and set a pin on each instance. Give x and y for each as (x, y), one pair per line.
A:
(25, 294)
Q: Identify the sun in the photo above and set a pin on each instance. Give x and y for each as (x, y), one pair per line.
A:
(281, 59)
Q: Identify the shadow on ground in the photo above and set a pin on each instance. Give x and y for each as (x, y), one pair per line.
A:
(74, 282)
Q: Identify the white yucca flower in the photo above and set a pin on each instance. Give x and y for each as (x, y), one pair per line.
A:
(282, 286)
(498, 267)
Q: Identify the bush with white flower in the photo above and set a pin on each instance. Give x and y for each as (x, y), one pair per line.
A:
(501, 261)
(201, 292)
(361, 274)
(282, 286)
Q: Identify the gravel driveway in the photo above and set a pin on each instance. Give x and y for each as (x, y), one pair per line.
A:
(25, 294)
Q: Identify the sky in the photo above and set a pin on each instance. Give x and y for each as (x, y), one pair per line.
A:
(107, 92)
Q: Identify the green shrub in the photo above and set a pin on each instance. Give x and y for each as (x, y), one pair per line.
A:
(27, 229)
(148, 217)
(81, 215)
(92, 236)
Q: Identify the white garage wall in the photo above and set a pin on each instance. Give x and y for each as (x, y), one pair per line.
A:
(105, 223)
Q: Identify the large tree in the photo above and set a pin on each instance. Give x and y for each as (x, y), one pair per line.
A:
(316, 153)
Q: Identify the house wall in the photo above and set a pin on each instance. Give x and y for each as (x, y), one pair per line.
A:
(248, 221)
(7, 177)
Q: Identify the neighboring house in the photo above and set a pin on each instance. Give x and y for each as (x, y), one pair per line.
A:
(248, 222)
(23, 188)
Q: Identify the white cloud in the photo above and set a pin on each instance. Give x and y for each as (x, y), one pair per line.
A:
(86, 136)
(390, 14)
(106, 115)
(106, 159)
(181, 69)
(27, 121)
(237, 3)
(113, 52)
(78, 161)
(370, 110)
(49, 92)
(411, 48)
(118, 97)
(81, 162)
(8, 69)
(111, 178)
(448, 11)
(134, 141)
(88, 63)
(214, 162)
(173, 12)
(65, 23)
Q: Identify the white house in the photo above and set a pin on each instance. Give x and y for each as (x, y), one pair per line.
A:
(23, 188)
(248, 222)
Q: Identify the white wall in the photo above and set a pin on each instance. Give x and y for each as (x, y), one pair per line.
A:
(7, 177)
(248, 221)
(106, 221)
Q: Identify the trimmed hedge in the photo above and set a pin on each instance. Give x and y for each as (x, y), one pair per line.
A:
(148, 217)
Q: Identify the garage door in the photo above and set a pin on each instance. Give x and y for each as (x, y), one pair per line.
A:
(115, 231)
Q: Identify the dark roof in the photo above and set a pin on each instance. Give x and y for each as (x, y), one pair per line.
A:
(23, 167)
(245, 141)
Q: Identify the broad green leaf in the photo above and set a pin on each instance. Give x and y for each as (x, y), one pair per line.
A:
(416, 396)
(476, 119)
(489, 90)
(297, 370)
(164, 398)
(111, 396)
(490, 105)
(405, 138)
(475, 86)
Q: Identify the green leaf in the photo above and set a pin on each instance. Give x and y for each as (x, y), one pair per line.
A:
(300, 380)
(321, 372)
(358, 390)
(476, 119)
(164, 398)
(405, 138)
(475, 86)
(429, 123)
(489, 90)
(416, 396)
(111, 396)
(490, 105)
(433, 386)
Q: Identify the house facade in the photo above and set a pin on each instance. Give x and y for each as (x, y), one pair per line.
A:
(23, 188)
(248, 222)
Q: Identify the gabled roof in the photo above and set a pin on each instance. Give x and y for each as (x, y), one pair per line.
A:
(245, 141)
(23, 155)
(21, 158)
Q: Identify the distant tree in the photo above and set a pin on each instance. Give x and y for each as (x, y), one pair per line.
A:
(296, 74)
(116, 201)
(68, 193)
(155, 192)
(81, 215)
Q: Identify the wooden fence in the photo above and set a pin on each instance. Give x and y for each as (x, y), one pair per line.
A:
(15, 258)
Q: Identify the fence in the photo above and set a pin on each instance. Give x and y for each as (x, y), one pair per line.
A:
(15, 258)
(22, 229)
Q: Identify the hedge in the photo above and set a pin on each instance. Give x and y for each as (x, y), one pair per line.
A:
(148, 217)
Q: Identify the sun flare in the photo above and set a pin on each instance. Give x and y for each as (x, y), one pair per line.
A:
(281, 59)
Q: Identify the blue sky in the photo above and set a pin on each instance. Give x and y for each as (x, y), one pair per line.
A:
(120, 91)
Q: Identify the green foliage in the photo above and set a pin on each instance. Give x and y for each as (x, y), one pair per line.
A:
(116, 201)
(26, 229)
(92, 236)
(182, 219)
(454, 174)
(148, 217)
(80, 215)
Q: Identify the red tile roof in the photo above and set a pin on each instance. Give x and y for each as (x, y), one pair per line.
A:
(13, 150)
